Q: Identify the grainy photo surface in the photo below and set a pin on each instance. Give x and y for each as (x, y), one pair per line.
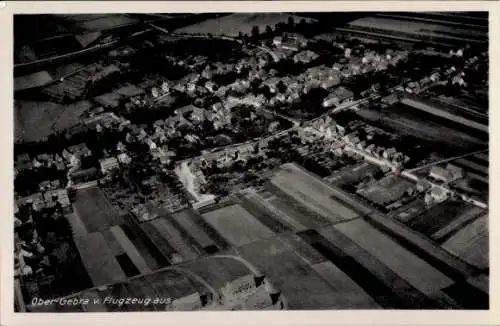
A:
(251, 161)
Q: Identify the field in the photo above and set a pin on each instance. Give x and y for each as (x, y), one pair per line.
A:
(417, 272)
(130, 250)
(302, 249)
(31, 81)
(351, 174)
(415, 28)
(35, 121)
(264, 200)
(444, 114)
(237, 225)
(162, 284)
(420, 245)
(90, 22)
(387, 288)
(300, 284)
(231, 25)
(100, 263)
(94, 210)
(146, 247)
(407, 212)
(348, 293)
(468, 164)
(184, 219)
(164, 247)
(217, 271)
(464, 218)
(471, 243)
(70, 116)
(77, 226)
(386, 190)
(411, 122)
(438, 216)
(312, 193)
(260, 211)
(174, 238)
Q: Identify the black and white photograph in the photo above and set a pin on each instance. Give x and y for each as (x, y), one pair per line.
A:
(219, 161)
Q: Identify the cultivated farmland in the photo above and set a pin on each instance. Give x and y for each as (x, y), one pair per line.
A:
(312, 193)
(386, 190)
(387, 288)
(410, 267)
(471, 243)
(34, 120)
(303, 287)
(185, 221)
(465, 217)
(174, 238)
(102, 268)
(94, 210)
(433, 219)
(70, 116)
(237, 225)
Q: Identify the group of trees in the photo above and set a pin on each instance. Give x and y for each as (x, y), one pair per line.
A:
(27, 181)
(59, 259)
(292, 25)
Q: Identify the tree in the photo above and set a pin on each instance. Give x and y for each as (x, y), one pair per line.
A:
(269, 30)
(255, 32)
(281, 86)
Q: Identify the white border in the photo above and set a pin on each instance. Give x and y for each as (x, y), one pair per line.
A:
(299, 318)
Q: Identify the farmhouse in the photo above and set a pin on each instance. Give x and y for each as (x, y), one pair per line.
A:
(440, 173)
(108, 164)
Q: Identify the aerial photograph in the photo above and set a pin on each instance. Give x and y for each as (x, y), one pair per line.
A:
(251, 161)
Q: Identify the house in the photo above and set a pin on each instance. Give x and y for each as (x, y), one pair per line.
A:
(423, 185)
(272, 83)
(61, 195)
(439, 194)
(361, 144)
(389, 153)
(150, 143)
(370, 148)
(108, 164)
(305, 56)
(123, 158)
(339, 96)
(277, 40)
(458, 173)
(290, 45)
(238, 288)
(177, 120)
(23, 162)
(79, 150)
(211, 86)
(121, 147)
(390, 99)
(197, 115)
(299, 39)
(340, 129)
(355, 140)
(440, 173)
(337, 66)
(330, 81)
